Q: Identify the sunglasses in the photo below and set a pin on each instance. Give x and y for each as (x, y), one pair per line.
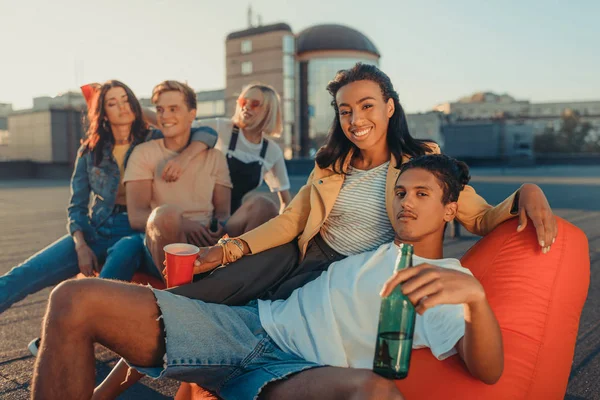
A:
(251, 104)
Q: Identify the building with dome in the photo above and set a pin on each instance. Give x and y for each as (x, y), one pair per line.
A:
(321, 51)
(298, 66)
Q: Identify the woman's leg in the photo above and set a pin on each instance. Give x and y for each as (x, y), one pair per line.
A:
(124, 258)
(249, 278)
(319, 256)
(50, 266)
(254, 212)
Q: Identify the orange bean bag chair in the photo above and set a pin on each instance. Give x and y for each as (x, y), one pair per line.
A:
(140, 278)
(537, 299)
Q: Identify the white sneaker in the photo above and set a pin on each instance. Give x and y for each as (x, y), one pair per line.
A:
(34, 346)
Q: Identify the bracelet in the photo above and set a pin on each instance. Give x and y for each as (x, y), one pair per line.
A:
(233, 250)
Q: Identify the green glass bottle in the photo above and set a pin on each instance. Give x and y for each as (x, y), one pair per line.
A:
(396, 327)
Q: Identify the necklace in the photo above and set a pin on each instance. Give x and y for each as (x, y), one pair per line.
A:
(122, 141)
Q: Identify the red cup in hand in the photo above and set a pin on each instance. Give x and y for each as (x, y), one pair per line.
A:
(180, 259)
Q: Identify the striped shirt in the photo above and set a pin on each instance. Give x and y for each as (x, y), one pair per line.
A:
(358, 221)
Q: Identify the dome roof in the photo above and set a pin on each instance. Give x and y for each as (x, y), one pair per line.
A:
(333, 37)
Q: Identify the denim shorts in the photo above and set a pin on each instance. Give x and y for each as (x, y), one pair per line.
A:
(223, 349)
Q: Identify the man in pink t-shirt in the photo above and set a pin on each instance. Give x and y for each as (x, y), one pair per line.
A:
(178, 211)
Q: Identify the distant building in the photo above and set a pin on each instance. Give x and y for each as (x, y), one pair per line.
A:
(47, 135)
(263, 54)
(5, 109)
(427, 126)
(485, 105)
(210, 104)
(68, 99)
(321, 51)
(498, 140)
(299, 68)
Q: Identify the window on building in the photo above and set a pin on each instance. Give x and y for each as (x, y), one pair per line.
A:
(288, 111)
(220, 107)
(246, 67)
(289, 65)
(289, 46)
(288, 88)
(204, 109)
(246, 46)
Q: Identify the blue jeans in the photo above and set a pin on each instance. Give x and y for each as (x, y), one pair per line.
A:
(127, 256)
(58, 261)
(223, 349)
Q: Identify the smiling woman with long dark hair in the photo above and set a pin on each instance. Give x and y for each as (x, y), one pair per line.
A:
(115, 127)
(345, 207)
(398, 139)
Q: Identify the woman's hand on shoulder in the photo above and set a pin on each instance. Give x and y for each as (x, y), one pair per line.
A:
(533, 204)
(174, 168)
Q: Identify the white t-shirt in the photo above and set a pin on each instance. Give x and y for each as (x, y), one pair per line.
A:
(333, 319)
(274, 171)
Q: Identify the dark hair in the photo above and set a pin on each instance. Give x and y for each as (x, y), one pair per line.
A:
(173, 86)
(99, 132)
(452, 174)
(399, 140)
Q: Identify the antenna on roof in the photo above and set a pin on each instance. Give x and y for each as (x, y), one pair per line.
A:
(259, 17)
(249, 16)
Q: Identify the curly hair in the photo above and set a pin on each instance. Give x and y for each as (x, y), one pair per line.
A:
(451, 174)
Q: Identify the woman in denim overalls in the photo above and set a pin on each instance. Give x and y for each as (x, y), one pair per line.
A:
(253, 157)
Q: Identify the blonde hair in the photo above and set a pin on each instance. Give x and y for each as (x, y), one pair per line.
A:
(173, 86)
(271, 123)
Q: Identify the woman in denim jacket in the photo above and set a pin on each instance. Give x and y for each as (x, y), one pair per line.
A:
(116, 126)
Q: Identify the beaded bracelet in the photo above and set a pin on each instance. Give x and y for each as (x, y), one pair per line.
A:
(233, 250)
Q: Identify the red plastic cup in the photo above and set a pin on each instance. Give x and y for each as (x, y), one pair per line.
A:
(180, 259)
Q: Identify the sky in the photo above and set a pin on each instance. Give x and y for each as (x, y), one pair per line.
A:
(434, 51)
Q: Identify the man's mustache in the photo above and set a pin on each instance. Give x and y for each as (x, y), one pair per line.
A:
(406, 214)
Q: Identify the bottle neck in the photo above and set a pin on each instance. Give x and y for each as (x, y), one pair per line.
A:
(406, 258)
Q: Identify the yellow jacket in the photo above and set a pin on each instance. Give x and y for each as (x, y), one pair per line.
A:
(307, 211)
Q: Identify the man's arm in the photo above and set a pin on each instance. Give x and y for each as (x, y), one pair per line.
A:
(139, 197)
(175, 166)
(202, 138)
(428, 286)
(481, 347)
(222, 202)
